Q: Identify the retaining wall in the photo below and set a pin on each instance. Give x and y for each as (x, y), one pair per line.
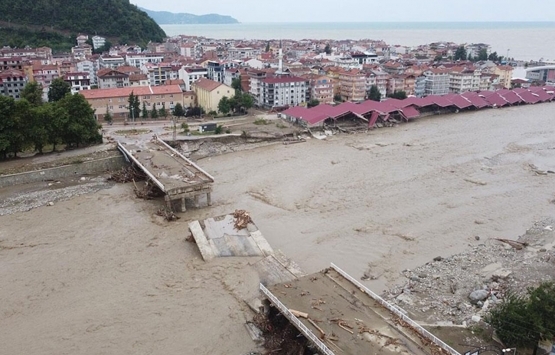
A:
(84, 168)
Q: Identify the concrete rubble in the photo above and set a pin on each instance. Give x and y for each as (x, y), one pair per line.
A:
(463, 287)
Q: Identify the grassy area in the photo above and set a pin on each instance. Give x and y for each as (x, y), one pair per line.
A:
(261, 121)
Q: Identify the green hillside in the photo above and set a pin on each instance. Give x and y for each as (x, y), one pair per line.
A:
(41, 22)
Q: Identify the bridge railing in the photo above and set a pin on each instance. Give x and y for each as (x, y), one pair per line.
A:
(417, 327)
(296, 322)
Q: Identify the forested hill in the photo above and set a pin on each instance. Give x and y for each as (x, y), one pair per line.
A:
(115, 19)
(170, 18)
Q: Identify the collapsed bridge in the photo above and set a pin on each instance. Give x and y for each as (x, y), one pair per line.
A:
(176, 176)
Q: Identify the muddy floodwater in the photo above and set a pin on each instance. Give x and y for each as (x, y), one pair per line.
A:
(101, 274)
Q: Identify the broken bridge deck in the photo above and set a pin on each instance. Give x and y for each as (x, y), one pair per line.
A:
(175, 175)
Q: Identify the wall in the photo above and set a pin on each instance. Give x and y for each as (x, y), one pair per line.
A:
(85, 168)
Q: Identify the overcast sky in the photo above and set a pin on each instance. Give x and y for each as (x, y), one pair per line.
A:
(363, 10)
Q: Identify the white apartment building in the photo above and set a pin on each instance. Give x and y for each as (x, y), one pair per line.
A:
(437, 82)
(98, 42)
(110, 62)
(138, 60)
(90, 67)
(284, 91)
(78, 81)
(378, 78)
(242, 53)
(464, 79)
(190, 75)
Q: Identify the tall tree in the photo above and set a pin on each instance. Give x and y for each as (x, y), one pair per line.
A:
(108, 116)
(134, 106)
(154, 112)
(493, 57)
(163, 112)
(80, 126)
(32, 92)
(236, 84)
(58, 89)
(483, 54)
(460, 53)
(178, 110)
(374, 93)
(267, 47)
(246, 101)
(38, 126)
(327, 49)
(144, 112)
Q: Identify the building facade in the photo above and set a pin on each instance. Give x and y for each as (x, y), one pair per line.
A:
(352, 85)
(12, 82)
(78, 81)
(111, 79)
(436, 82)
(209, 93)
(284, 91)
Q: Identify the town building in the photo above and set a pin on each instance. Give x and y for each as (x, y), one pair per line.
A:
(90, 67)
(436, 82)
(110, 62)
(321, 87)
(215, 71)
(138, 60)
(545, 74)
(282, 91)
(44, 75)
(353, 85)
(463, 79)
(191, 74)
(242, 52)
(209, 93)
(505, 73)
(98, 42)
(111, 78)
(78, 81)
(12, 82)
(115, 100)
(379, 79)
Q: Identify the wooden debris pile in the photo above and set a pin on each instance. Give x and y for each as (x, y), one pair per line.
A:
(127, 174)
(513, 243)
(242, 219)
(167, 214)
(148, 192)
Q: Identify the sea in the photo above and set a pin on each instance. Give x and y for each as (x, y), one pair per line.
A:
(519, 40)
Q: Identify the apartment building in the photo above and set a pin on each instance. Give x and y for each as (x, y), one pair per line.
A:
(110, 79)
(78, 81)
(191, 74)
(90, 67)
(110, 62)
(283, 91)
(352, 85)
(12, 82)
(138, 60)
(210, 92)
(379, 79)
(505, 73)
(463, 79)
(320, 87)
(436, 82)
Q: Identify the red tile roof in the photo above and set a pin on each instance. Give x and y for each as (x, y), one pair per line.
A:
(207, 84)
(137, 90)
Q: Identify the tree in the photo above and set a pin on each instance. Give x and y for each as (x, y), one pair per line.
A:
(483, 54)
(236, 84)
(223, 105)
(513, 323)
(337, 98)
(246, 102)
(327, 49)
(32, 92)
(154, 112)
(267, 47)
(133, 105)
(219, 129)
(144, 112)
(38, 126)
(185, 127)
(313, 103)
(374, 94)
(7, 124)
(163, 112)
(58, 90)
(108, 116)
(521, 321)
(438, 58)
(400, 95)
(178, 110)
(460, 53)
(493, 57)
(470, 57)
(79, 126)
